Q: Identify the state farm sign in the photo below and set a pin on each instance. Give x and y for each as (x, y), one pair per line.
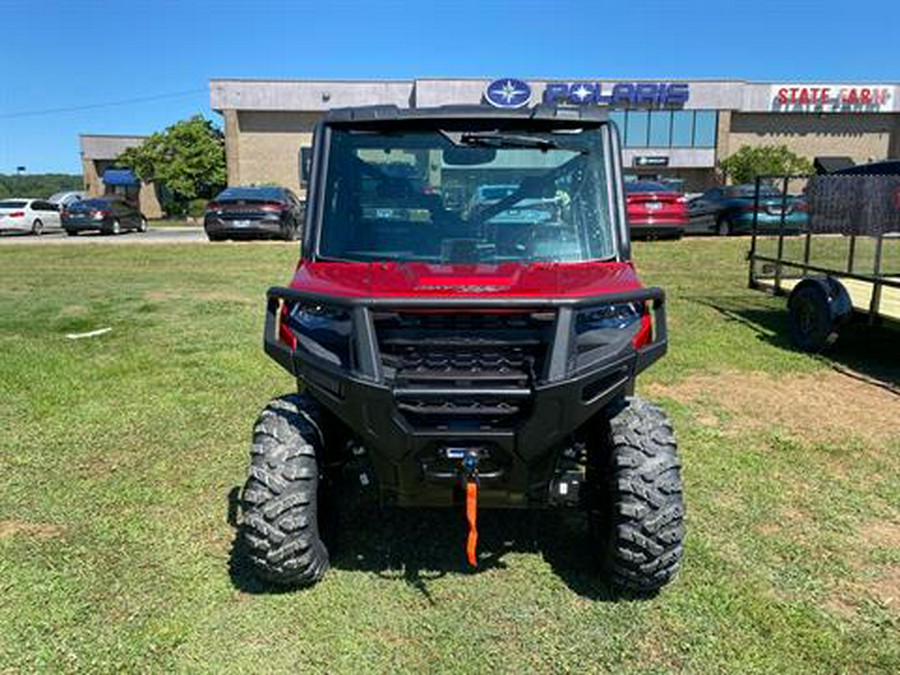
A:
(832, 98)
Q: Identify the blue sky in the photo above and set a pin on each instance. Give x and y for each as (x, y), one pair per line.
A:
(65, 55)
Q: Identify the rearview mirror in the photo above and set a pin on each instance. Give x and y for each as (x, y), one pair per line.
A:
(469, 156)
(537, 188)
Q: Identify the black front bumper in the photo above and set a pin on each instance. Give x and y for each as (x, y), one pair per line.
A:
(525, 454)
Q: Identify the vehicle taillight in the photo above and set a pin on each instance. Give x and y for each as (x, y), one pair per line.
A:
(213, 206)
(17, 214)
(273, 206)
(99, 214)
(801, 206)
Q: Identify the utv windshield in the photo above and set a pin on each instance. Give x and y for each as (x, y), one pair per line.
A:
(464, 195)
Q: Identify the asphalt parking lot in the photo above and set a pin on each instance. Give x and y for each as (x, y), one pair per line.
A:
(159, 235)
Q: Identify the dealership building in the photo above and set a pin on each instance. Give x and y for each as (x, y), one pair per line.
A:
(102, 175)
(676, 129)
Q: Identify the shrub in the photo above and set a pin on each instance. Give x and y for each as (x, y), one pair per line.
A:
(196, 208)
(766, 160)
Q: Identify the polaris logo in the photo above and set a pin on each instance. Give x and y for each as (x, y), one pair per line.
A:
(508, 93)
(619, 94)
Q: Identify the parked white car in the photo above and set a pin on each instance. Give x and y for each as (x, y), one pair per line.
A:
(28, 215)
(63, 199)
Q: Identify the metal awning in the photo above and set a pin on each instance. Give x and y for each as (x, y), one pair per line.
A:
(123, 177)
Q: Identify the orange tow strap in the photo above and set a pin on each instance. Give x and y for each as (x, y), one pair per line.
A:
(471, 516)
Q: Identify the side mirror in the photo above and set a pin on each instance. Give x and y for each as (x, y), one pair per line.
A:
(305, 166)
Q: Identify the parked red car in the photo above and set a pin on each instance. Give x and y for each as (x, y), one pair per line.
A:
(655, 210)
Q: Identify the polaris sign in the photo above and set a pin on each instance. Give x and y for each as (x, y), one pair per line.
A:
(620, 94)
(508, 93)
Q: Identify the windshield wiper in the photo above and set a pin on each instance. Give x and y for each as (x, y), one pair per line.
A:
(494, 140)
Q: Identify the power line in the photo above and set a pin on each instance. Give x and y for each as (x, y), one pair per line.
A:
(92, 106)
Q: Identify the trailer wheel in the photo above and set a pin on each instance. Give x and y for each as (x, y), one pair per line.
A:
(635, 489)
(280, 501)
(810, 323)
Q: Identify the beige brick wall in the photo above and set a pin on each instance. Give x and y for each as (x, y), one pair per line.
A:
(859, 136)
(268, 146)
(92, 184)
(723, 133)
(149, 203)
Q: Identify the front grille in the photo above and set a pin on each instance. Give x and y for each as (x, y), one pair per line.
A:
(463, 370)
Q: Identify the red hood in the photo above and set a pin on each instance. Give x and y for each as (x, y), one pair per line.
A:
(390, 279)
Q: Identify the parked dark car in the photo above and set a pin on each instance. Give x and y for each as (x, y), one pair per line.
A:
(655, 210)
(729, 209)
(103, 214)
(252, 213)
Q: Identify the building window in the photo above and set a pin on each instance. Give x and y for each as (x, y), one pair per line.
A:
(682, 128)
(705, 129)
(636, 126)
(660, 128)
(666, 128)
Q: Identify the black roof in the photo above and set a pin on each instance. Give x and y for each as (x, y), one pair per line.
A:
(826, 165)
(889, 167)
(542, 112)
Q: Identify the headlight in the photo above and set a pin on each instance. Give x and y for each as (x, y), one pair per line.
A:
(606, 329)
(322, 331)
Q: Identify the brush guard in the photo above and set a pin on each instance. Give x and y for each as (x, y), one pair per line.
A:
(408, 457)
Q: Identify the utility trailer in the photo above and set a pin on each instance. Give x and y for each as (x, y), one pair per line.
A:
(847, 263)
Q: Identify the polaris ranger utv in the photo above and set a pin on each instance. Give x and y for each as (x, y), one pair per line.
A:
(465, 325)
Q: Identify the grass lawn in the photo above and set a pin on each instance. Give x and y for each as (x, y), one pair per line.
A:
(118, 454)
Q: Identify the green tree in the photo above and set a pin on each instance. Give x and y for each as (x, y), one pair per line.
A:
(40, 185)
(765, 160)
(187, 160)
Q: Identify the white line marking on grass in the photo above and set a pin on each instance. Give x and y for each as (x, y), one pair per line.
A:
(89, 334)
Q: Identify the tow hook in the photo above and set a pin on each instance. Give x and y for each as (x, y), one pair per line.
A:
(470, 480)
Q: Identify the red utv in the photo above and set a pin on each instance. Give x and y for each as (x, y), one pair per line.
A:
(466, 352)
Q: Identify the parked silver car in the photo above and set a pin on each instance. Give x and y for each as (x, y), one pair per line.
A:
(24, 214)
(64, 199)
